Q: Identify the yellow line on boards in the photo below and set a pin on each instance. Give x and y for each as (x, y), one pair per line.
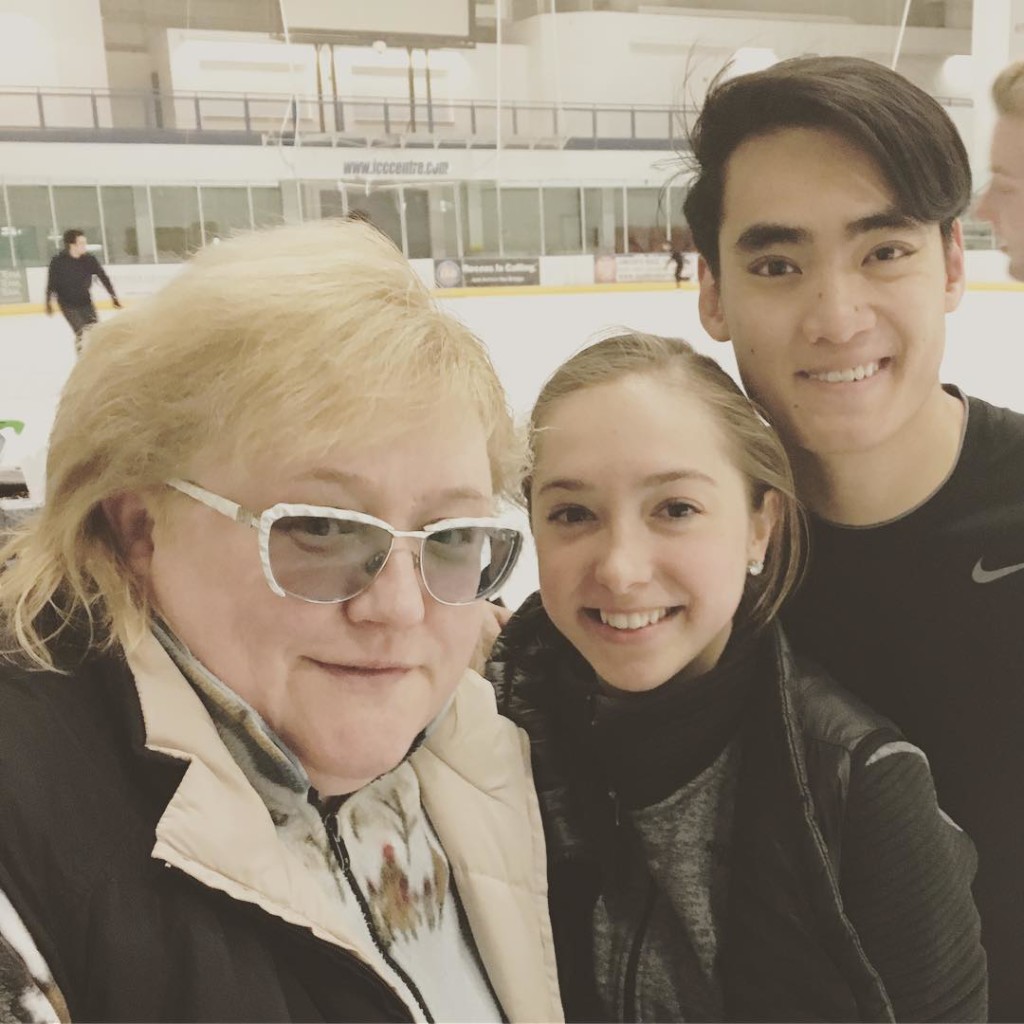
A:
(31, 308)
(564, 289)
(645, 286)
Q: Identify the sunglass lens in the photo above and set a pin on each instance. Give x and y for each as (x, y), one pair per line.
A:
(325, 559)
(505, 548)
(469, 562)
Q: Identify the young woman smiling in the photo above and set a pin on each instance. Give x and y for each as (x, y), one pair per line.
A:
(731, 836)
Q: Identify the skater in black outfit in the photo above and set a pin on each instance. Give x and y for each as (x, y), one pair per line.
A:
(677, 257)
(70, 278)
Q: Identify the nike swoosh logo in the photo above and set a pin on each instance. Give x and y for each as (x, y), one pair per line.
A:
(980, 575)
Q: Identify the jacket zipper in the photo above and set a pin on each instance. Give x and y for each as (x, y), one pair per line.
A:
(330, 821)
(616, 807)
(630, 1010)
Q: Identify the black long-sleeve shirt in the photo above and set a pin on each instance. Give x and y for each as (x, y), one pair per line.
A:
(70, 278)
(923, 618)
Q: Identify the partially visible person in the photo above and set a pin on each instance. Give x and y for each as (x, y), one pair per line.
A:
(1002, 203)
(70, 280)
(731, 835)
(246, 773)
(825, 207)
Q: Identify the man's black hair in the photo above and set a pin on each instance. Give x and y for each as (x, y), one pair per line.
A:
(908, 135)
(71, 236)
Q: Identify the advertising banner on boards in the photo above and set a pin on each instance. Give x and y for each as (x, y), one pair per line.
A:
(642, 266)
(12, 286)
(482, 272)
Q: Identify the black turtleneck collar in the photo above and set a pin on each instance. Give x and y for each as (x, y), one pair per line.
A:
(652, 743)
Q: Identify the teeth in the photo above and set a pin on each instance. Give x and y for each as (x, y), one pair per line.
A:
(632, 620)
(846, 376)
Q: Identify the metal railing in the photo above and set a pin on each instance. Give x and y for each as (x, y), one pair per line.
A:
(114, 115)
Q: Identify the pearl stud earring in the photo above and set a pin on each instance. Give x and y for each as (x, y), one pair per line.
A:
(755, 567)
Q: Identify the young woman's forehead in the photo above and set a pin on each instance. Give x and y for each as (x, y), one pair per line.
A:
(640, 426)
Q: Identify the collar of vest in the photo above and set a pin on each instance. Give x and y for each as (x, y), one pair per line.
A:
(216, 827)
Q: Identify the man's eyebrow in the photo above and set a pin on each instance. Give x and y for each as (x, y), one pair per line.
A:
(884, 219)
(764, 236)
(758, 237)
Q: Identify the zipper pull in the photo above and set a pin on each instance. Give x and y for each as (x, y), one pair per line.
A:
(330, 820)
(616, 809)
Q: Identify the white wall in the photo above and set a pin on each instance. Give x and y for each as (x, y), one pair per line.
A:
(470, 73)
(580, 57)
(129, 69)
(207, 61)
(576, 57)
(583, 57)
(612, 57)
(238, 62)
(255, 64)
(52, 44)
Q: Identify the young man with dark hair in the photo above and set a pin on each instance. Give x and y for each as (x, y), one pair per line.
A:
(825, 208)
(1002, 203)
(70, 278)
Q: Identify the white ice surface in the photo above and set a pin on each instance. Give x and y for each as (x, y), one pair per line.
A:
(528, 337)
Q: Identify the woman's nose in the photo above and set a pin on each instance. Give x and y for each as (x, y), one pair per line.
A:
(624, 559)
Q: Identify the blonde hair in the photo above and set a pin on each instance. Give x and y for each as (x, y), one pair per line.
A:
(1008, 90)
(282, 342)
(756, 449)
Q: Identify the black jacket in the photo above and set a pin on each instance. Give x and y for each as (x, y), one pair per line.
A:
(789, 950)
(140, 940)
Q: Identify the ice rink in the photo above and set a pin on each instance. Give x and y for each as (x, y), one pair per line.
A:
(528, 336)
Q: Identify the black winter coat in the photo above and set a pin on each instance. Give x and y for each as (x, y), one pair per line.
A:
(789, 950)
(140, 940)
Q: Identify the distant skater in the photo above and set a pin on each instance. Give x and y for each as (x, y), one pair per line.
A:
(676, 257)
(70, 278)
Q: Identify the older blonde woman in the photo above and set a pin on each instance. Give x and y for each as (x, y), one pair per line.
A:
(244, 770)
